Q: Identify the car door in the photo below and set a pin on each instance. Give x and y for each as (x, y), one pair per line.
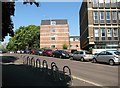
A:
(75, 55)
(109, 56)
(80, 54)
(101, 56)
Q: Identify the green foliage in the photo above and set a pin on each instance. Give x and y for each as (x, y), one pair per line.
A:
(65, 46)
(25, 37)
(8, 9)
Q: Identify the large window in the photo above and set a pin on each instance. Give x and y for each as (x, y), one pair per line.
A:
(114, 17)
(109, 32)
(52, 30)
(118, 1)
(119, 17)
(95, 14)
(102, 17)
(103, 33)
(115, 32)
(95, 3)
(108, 17)
(53, 38)
(71, 39)
(96, 33)
(101, 3)
(52, 46)
(107, 3)
(113, 3)
(53, 22)
(76, 39)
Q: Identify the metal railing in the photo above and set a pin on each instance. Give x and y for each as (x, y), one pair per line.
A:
(56, 74)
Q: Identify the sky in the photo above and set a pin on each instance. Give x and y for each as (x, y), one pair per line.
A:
(30, 14)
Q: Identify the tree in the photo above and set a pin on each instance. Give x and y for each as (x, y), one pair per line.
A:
(65, 46)
(25, 37)
(8, 9)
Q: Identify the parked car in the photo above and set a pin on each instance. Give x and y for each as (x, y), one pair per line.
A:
(34, 51)
(109, 56)
(82, 55)
(27, 51)
(61, 54)
(47, 52)
(40, 52)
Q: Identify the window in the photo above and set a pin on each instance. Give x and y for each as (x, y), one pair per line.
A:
(103, 53)
(109, 32)
(114, 17)
(119, 17)
(53, 38)
(108, 53)
(103, 33)
(102, 17)
(101, 3)
(115, 32)
(53, 22)
(108, 17)
(107, 3)
(71, 39)
(113, 3)
(81, 52)
(52, 30)
(95, 14)
(76, 45)
(76, 39)
(118, 1)
(52, 46)
(96, 32)
(95, 3)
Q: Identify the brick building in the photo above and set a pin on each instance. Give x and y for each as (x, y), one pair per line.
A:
(74, 42)
(99, 24)
(54, 33)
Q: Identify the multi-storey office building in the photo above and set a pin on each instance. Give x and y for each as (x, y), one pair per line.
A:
(99, 24)
(54, 33)
(74, 42)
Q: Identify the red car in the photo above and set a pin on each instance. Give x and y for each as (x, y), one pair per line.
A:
(47, 52)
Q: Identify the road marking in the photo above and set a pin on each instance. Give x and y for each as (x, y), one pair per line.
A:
(96, 84)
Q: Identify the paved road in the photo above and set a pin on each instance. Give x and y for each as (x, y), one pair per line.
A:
(87, 73)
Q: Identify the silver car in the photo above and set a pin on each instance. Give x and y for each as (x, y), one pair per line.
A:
(109, 56)
(82, 55)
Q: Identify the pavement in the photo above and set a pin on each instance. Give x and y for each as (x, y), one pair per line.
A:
(15, 73)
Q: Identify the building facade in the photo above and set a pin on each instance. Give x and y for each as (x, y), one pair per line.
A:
(99, 24)
(54, 34)
(74, 42)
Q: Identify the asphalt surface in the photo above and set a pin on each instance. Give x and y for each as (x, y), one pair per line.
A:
(84, 74)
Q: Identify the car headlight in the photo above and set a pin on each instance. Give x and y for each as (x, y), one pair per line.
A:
(63, 54)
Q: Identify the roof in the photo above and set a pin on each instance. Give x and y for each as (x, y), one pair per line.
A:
(74, 36)
(58, 22)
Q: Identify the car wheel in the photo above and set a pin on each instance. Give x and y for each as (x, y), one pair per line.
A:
(82, 59)
(71, 58)
(94, 60)
(111, 62)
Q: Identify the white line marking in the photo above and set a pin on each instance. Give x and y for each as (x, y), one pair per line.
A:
(96, 84)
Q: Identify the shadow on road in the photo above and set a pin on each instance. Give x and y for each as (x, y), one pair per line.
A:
(7, 59)
(24, 75)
